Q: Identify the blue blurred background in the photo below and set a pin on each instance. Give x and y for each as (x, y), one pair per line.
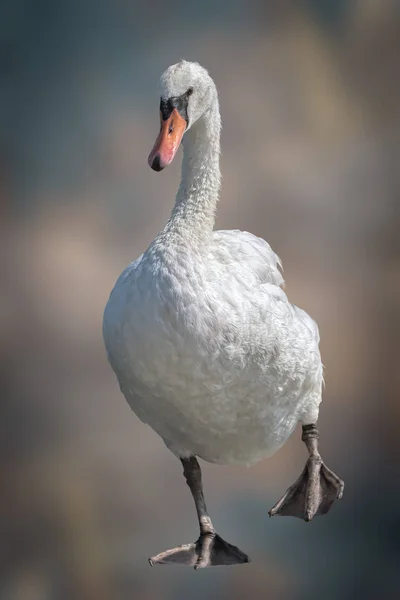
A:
(309, 94)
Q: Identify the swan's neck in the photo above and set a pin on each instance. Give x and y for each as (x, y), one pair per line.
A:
(193, 216)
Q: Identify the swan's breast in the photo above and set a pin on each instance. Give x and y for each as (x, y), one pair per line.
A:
(211, 368)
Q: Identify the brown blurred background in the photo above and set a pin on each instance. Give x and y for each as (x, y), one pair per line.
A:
(309, 94)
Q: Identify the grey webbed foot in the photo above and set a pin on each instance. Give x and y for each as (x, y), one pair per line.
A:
(312, 494)
(210, 550)
(315, 490)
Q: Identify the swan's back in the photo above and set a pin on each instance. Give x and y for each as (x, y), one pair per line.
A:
(240, 250)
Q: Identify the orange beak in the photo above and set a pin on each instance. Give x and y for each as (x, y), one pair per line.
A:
(167, 143)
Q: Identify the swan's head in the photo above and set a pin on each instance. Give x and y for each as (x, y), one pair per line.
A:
(187, 91)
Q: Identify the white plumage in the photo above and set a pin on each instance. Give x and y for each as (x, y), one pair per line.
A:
(206, 347)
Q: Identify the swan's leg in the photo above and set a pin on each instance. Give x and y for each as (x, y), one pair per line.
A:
(316, 489)
(210, 549)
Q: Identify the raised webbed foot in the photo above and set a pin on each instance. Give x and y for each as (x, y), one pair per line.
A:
(316, 489)
(210, 550)
(312, 494)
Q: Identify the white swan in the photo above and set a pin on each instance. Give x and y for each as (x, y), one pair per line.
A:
(206, 347)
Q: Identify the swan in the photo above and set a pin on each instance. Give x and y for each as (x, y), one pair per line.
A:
(200, 334)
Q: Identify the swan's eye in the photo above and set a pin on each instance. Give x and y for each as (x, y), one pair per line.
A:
(189, 92)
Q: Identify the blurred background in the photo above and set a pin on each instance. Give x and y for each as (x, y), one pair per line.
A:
(309, 94)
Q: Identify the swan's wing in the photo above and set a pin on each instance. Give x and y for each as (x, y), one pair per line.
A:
(112, 319)
(259, 271)
(127, 272)
(250, 252)
(114, 306)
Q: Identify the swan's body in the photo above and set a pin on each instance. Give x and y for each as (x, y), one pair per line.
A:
(206, 347)
(209, 352)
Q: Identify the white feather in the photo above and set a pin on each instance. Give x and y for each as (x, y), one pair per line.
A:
(206, 347)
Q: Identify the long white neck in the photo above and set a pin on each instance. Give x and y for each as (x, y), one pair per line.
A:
(193, 216)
